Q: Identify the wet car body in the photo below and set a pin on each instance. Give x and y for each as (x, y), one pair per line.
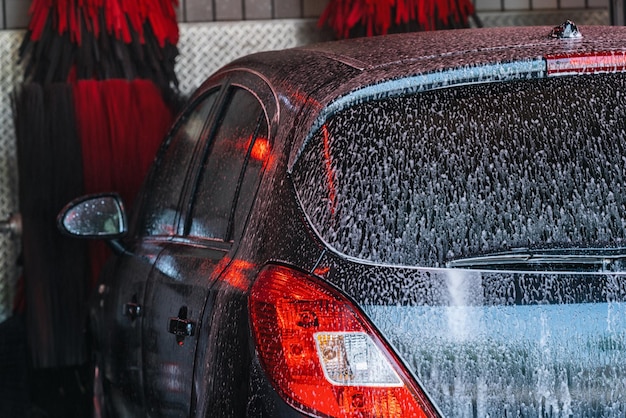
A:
(183, 321)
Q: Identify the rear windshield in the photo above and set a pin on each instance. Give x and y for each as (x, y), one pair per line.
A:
(513, 344)
(426, 178)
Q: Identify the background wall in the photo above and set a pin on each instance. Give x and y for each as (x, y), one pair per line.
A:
(14, 13)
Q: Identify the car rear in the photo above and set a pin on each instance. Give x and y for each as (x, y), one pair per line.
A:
(474, 221)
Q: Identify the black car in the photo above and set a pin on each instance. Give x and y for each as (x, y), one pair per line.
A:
(415, 225)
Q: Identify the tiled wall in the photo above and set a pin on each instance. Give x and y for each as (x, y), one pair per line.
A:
(14, 13)
(208, 10)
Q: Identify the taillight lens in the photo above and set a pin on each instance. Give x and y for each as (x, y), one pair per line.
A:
(322, 355)
(581, 63)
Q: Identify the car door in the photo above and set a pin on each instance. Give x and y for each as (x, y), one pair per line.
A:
(120, 311)
(217, 202)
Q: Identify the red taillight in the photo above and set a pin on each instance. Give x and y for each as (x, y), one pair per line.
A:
(577, 63)
(321, 353)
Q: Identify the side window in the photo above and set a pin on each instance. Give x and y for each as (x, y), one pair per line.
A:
(232, 169)
(160, 205)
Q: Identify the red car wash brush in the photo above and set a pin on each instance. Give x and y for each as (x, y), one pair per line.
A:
(354, 18)
(99, 94)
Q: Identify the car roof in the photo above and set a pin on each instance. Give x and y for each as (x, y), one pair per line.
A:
(501, 44)
(396, 55)
(315, 75)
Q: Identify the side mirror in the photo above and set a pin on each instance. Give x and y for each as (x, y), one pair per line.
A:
(94, 216)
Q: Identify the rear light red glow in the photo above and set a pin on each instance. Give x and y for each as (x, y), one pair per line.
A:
(322, 355)
(586, 63)
(260, 149)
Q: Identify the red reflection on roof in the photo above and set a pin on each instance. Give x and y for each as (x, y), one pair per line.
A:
(330, 174)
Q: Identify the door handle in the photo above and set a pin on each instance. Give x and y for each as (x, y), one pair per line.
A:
(181, 326)
(132, 309)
